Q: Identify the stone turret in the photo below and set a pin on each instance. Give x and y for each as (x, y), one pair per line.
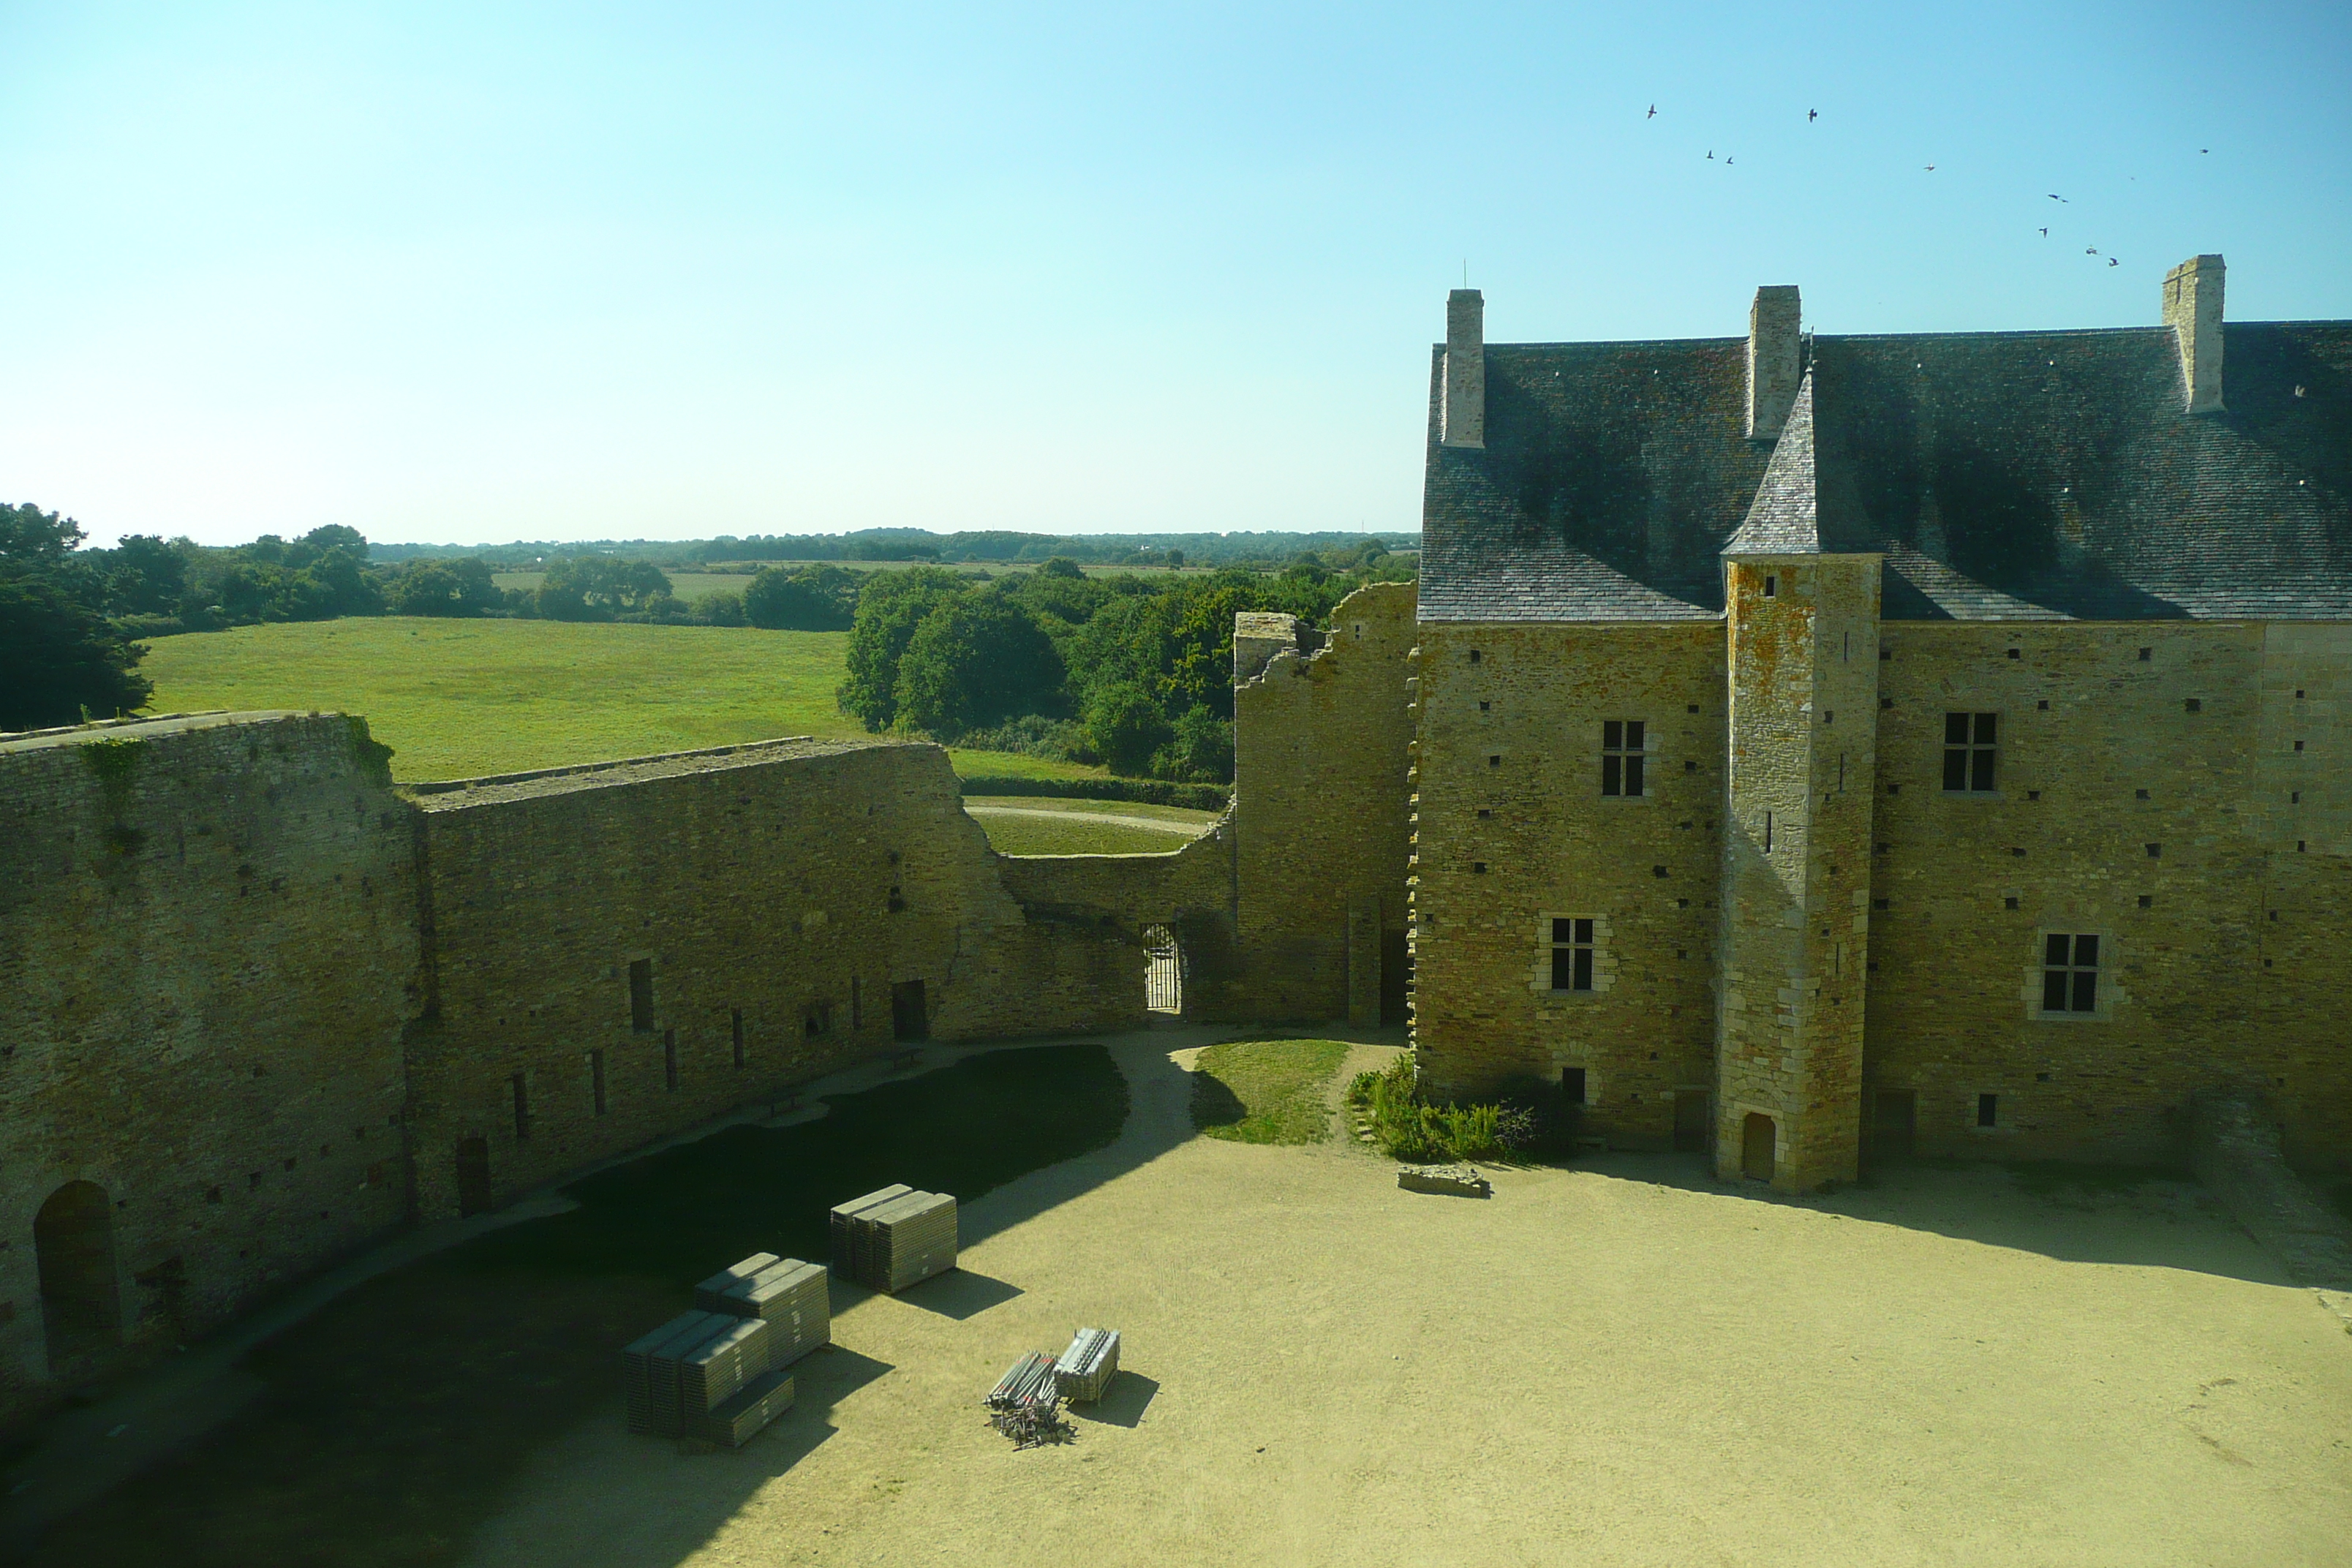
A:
(1465, 369)
(2192, 308)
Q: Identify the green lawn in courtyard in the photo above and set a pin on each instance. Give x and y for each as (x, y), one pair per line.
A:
(1266, 1091)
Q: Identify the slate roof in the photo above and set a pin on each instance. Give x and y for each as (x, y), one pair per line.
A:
(2003, 476)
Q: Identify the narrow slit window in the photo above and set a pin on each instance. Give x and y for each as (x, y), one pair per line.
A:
(1988, 1110)
(641, 995)
(1623, 751)
(735, 1027)
(522, 1107)
(2069, 972)
(596, 1080)
(1970, 749)
(1571, 953)
(669, 1058)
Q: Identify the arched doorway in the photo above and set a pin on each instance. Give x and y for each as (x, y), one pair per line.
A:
(1758, 1146)
(1163, 982)
(473, 1176)
(73, 1242)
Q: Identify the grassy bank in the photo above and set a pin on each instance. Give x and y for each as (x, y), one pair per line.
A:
(464, 698)
(1266, 1091)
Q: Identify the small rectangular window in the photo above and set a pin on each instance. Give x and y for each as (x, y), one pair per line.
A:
(1988, 1110)
(1572, 954)
(1772, 586)
(2069, 972)
(1572, 1085)
(1968, 752)
(669, 1058)
(641, 995)
(735, 1025)
(1622, 754)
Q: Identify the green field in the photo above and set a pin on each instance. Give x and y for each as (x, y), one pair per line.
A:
(465, 699)
(688, 585)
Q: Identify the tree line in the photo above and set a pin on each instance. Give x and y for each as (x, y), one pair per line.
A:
(1133, 671)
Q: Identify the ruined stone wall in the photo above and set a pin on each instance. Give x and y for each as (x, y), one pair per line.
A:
(1119, 896)
(1513, 832)
(1319, 823)
(2152, 792)
(208, 949)
(782, 891)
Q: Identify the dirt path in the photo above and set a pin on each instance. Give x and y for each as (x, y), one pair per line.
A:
(1156, 824)
(1621, 1363)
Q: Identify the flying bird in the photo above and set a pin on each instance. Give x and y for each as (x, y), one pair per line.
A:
(2204, 149)
(2057, 197)
(1710, 154)
(2090, 250)
(1812, 115)
(2045, 234)
(1653, 114)
(1726, 159)
(2113, 262)
(1931, 168)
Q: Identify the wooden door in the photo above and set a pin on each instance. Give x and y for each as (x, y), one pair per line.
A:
(1757, 1147)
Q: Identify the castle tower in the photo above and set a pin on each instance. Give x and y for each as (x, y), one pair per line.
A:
(1803, 646)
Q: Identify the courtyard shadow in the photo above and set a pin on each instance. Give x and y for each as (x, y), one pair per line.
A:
(407, 1417)
(2123, 1215)
(1123, 1403)
(959, 1294)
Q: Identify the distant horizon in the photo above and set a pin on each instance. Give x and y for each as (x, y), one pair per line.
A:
(468, 272)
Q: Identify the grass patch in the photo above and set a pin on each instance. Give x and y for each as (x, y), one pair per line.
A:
(2057, 1178)
(1266, 1091)
(1074, 834)
(460, 700)
(395, 1421)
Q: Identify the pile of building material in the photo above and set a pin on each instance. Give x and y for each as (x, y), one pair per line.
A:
(1025, 1404)
(1086, 1368)
(1457, 1180)
(892, 1237)
(718, 1373)
(788, 1295)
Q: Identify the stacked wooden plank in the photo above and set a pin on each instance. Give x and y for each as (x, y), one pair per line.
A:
(1086, 1369)
(892, 1238)
(738, 1419)
(844, 1227)
(655, 1372)
(788, 1295)
(1024, 1404)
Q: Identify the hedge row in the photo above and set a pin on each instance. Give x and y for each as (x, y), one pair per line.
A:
(1150, 792)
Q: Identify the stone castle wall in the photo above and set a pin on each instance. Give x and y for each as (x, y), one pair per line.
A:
(1513, 832)
(776, 896)
(208, 948)
(2227, 975)
(1320, 826)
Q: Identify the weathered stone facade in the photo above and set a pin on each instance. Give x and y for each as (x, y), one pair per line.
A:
(208, 946)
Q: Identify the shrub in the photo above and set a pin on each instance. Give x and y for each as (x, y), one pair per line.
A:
(722, 608)
(1126, 726)
(1406, 1126)
(802, 598)
(977, 659)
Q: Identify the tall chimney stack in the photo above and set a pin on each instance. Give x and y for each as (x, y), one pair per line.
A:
(1465, 369)
(2192, 308)
(1774, 364)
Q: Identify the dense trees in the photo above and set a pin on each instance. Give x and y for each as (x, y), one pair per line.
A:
(599, 587)
(802, 599)
(60, 661)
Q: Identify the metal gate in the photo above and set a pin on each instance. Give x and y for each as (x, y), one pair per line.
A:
(1163, 986)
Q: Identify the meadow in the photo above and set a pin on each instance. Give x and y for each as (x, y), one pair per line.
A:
(464, 698)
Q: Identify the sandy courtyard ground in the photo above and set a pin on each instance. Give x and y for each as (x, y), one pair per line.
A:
(1622, 1363)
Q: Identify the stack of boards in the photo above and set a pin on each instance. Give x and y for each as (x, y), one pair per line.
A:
(718, 1373)
(893, 1238)
(1086, 1368)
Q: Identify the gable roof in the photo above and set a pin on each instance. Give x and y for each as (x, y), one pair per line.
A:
(2003, 475)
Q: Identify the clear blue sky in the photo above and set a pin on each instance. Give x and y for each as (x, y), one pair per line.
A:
(479, 272)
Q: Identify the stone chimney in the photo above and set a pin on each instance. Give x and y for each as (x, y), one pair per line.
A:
(2192, 308)
(1465, 423)
(1775, 365)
